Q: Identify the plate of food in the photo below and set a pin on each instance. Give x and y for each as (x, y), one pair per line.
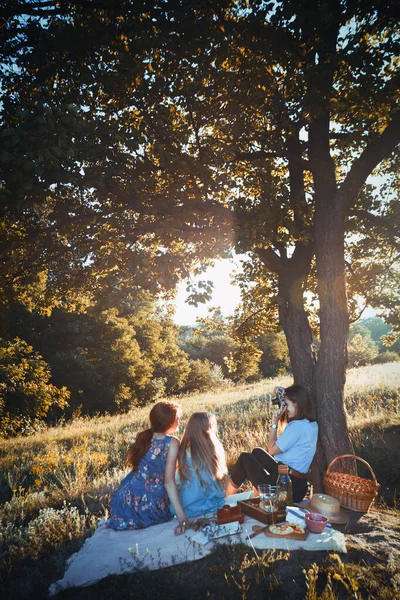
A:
(291, 531)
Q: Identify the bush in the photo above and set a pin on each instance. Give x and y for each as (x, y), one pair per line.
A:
(47, 532)
(217, 377)
(26, 395)
(362, 350)
(199, 377)
(386, 357)
(242, 362)
(237, 361)
(275, 359)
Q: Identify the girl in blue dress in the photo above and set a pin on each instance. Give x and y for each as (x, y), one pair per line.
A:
(203, 472)
(145, 494)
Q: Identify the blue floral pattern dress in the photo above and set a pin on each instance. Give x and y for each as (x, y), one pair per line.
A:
(141, 499)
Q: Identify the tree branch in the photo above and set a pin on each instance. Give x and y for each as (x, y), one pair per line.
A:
(257, 154)
(373, 154)
(367, 296)
(296, 178)
(251, 316)
(379, 222)
(270, 259)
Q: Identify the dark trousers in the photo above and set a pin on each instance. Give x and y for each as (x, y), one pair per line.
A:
(260, 467)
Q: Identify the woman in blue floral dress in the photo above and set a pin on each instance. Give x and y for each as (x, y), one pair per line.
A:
(144, 495)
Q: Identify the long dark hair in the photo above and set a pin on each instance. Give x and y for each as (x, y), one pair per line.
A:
(162, 417)
(299, 396)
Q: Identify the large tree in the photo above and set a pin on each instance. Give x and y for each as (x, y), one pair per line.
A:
(156, 135)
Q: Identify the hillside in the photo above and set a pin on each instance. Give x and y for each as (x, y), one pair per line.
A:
(55, 484)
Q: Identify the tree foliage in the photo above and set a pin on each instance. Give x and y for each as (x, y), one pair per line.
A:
(375, 329)
(380, 333)
(117, 355)
(362, 350)
(237, 362)
(140, 159)
(275, 354)
(154, 136)
(26, 393)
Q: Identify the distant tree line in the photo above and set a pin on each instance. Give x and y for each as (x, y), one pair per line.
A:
(122, 351)
(125, 351)
(117, 354)
(371, 342)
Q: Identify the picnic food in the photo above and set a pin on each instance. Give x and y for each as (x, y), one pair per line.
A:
(286, 529)
(282, 529)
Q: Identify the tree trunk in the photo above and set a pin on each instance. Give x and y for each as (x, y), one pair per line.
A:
(294, 321)
(330, 371)
(330, 376)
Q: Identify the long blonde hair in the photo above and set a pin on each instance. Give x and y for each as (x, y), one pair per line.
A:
(201, 438)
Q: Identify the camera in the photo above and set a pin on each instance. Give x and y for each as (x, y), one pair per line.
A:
(279, 399)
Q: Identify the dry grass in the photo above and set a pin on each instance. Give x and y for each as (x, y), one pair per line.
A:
(46, 478)
(88, 454)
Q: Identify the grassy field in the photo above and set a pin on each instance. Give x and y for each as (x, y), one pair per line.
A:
(56, 484)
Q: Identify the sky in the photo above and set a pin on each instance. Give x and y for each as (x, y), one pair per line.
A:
(225, 295)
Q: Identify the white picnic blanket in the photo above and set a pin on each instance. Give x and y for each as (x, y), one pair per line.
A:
(110, 552)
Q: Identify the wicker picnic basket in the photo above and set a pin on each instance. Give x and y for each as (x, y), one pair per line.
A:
(354, 493)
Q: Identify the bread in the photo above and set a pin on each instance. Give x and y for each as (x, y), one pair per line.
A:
(281, 529)
(286, 528)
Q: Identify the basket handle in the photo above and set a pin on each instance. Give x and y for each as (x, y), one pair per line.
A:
(352, 456)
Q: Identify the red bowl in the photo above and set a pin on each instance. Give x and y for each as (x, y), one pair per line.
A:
(315, 522)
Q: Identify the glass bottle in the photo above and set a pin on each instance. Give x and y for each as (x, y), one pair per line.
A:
(284, 483)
